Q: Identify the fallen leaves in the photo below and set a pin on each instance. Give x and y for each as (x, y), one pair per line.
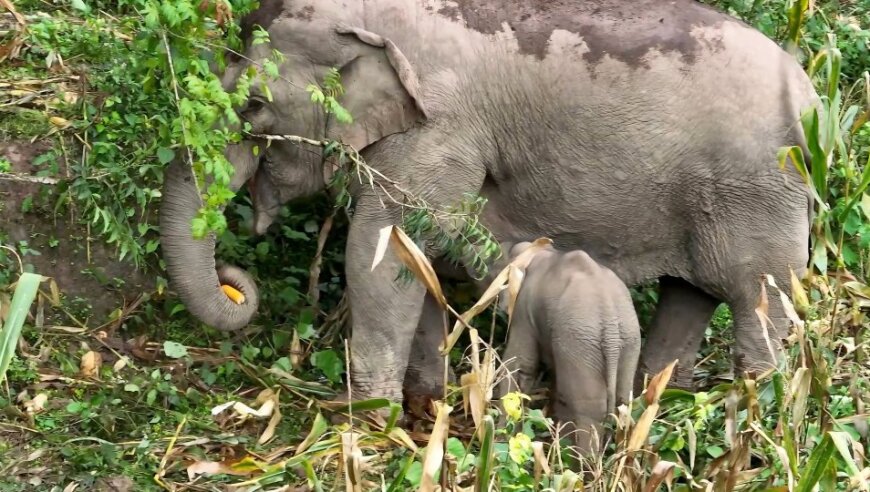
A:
(268, 407)
(90, 365)
(229, 467)
(13, 47)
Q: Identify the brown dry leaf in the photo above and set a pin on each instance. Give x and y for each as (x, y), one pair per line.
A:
(762, 311)
(780, 451)
(13, 47)
(295, 351)
(351, 461)
(90, 364)
(692, 442)
(541, 464)
(492, 291)
(411, 256)
(37, 404)
(515, 280)
(55, 292)
(662, 471)
(213, 468)
(120, 364)
(800, 390)
(269, 432)
(641, 429)
(731, 401)
(435, 447)
(59, 122)
(659, 383)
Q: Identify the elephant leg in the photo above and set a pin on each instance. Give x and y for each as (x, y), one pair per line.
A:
(747, 245)
(580, 400)
(386, 309)
(521, 357)
(676, 332)
(758, 344)
(425, 374)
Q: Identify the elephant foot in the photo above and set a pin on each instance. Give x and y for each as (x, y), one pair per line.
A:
(683, 378)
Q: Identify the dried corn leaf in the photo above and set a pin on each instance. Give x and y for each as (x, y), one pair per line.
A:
(435, 447)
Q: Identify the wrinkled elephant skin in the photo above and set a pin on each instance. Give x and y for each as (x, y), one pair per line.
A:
(576, 317)
(644, 133)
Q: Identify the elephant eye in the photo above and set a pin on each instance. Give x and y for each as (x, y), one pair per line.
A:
(255, 104)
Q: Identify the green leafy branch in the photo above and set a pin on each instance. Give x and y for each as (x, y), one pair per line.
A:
(327, 96)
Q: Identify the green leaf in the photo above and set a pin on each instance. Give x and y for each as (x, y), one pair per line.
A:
(414, 474)
(365, 405)
(329, 363)
(131, 388)
(715, 451)
(816, 465)
(455, 448)
(165, 155)
(81, 6)
(199, 227)
(317, 429)
(403, 475)
(174, 350)
(25, 292)
(486, 458)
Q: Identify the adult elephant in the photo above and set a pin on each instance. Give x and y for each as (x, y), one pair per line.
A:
(643, 132)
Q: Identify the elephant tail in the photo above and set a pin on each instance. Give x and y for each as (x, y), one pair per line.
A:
(612, 354)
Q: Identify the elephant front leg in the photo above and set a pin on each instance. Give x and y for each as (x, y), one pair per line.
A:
(424, 377)
(385, 309)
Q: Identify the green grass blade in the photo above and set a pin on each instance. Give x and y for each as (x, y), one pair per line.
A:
(486, 457)
(25, 292)
(364, 406)
(795, 16)
(395, 410)
(817, 464)
(398, 482)
(317, 429)
(858, 193)
(313, 482)
(842, 441)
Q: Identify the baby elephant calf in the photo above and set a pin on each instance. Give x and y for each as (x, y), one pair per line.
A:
(576, 317)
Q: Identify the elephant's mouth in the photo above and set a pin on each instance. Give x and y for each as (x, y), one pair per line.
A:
(264, 196)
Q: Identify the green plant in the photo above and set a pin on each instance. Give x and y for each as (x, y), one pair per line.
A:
(25, 292)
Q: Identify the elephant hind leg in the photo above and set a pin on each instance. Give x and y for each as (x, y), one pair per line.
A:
(738, 246)
(580, 399)
(676, 332)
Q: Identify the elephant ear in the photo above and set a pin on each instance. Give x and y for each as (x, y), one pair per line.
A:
(381, 91)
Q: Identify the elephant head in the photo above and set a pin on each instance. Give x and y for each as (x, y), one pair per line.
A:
(380, 93)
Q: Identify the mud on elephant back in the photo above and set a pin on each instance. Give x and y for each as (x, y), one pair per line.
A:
(646, 136)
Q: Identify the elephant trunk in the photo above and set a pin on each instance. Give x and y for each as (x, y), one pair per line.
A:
(191, 263)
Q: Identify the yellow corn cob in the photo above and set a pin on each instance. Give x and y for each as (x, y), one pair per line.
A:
(234, 294)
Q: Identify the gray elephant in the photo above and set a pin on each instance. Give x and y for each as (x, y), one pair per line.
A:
(576, 317)
(644, 133)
